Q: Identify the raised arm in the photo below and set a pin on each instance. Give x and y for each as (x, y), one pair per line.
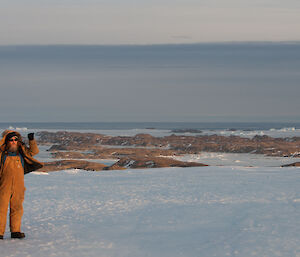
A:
(33, 148)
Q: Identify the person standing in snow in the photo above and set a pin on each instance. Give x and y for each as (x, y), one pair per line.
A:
(16, 160)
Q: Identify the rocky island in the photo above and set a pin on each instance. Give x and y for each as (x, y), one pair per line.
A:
(147, 151)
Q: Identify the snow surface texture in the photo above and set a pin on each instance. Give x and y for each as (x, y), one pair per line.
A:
(168, 212)
(236, 159)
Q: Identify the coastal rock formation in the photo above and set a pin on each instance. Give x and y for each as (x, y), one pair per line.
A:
(178, 144)
(152, 162)
(115, 167)
(120, 165)
(113, 153)
(295, 164)
(70, 139)
(186, 131)
(215, 143)
(146, 151)
(72, 164)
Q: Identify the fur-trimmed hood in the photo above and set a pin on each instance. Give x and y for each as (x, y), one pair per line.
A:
(30, 164)
(4, 135)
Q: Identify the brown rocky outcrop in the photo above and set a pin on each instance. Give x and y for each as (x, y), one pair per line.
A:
(295, 164)
(153, 162)
(115, 166)
(186, 131)
(72, 164)
(114, 153)
(146, 151)
(179, 144)
(68, 139)
(122, 164)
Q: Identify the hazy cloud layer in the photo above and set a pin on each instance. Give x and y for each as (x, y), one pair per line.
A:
(147, 22)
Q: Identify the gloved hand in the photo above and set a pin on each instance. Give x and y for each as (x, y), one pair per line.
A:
(30, 136)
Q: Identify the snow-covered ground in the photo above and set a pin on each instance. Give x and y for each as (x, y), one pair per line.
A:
(190, 212)
(236, 159)
(227, 210)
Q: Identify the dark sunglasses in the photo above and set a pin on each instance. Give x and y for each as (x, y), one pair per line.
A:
(13, 139)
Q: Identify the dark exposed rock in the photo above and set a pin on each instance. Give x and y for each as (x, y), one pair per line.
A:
(154, 162)
(186, 131)
(261, 138)
(70, 138)
(295, 164)
(115, 166)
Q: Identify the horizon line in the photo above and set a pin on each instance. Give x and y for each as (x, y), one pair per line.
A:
(279, 42)
(2, 122)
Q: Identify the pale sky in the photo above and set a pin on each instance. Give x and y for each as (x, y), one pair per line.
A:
(147, 21)
(149, 83)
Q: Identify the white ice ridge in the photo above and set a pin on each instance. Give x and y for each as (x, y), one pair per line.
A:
(18, 129)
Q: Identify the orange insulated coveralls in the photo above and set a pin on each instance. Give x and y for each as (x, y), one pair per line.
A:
(12, 189)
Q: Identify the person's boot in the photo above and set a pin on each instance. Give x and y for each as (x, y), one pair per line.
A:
(19, 235)
(1, 236)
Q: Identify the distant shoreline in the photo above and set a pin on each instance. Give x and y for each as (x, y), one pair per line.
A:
(280, 42)
(246, 126)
